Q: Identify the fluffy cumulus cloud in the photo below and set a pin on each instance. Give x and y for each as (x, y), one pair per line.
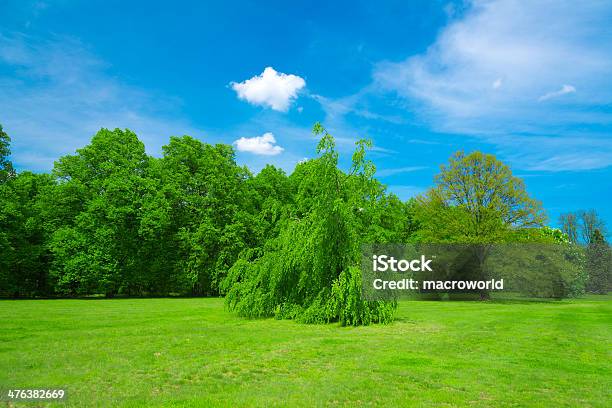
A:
(271, 89)
(490, 70)
(262, 145)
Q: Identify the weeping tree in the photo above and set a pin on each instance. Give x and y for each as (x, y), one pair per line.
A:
(310, 270)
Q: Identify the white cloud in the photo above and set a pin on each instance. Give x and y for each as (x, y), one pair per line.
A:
(491, 66)
(565, 89)
(263, 145)
(506, 39)
(271, 89)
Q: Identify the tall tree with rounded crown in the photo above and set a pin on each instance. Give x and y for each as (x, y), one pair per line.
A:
(477, 200)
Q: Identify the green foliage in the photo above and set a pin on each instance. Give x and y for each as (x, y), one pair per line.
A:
(573, 272)
(24, 260)
(270, 193)
(202, 213)
(599, 264)
(542, 235)
(543, 262)
(309, 272)
(112, 220)
(97, 248)
(476, 199)
(126, 223)
(569, 225)
(6, 167)
(7, 252)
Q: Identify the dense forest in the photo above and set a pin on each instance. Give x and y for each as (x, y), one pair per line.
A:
(111, 220)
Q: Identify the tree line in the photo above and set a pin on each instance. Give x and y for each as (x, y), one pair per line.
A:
(112, 220)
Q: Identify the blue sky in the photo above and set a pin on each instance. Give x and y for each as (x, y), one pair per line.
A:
(527, 81)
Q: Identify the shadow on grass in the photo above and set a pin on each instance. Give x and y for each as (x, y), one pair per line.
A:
(526, 301)
(117, 297)
(493, 300)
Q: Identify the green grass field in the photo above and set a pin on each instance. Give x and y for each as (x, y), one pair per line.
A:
(193, 352)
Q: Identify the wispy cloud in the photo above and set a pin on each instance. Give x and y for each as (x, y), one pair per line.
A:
(568, 152)
(504, 39)
(492, 66)
(348, 132)
(60, 94)
(398, 170)
(565, 89)
(357, 104)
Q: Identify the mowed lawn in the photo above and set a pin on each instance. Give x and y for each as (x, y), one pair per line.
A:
(193, 352)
